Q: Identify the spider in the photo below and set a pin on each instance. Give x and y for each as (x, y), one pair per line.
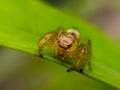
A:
(66, 44)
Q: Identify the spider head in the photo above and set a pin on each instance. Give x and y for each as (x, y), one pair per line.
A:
(67, 38)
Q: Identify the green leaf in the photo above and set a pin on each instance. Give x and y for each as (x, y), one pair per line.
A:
(24, 22)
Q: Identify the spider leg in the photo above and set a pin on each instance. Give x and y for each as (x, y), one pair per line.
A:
(89, 65)
(59, 32)
(78, 66)
(42, 43)
(52, 37)
(88, 44)
(83, 54)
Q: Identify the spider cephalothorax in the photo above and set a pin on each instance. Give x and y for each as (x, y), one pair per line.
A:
(66, 44)
(66, 39)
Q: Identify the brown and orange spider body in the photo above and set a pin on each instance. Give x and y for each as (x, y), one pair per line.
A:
(66, 44)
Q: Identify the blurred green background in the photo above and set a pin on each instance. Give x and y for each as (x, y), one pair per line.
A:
(21, 71)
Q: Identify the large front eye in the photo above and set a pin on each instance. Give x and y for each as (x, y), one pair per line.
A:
(69, 41)
(66, 40)
(62, 37)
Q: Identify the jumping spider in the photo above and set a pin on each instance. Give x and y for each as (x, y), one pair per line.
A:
(66, 44)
